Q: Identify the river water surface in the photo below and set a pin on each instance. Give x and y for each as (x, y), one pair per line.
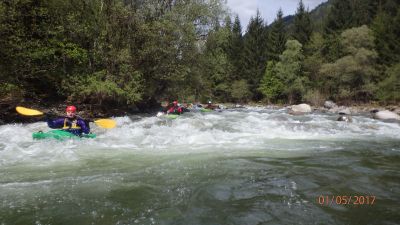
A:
(253, 166)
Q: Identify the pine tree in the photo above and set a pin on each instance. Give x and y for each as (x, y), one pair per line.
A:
(236, 49)
(387, 32)
(302, 24)
(339, 17)
(364, 12)
(277, 37)
(255, 53)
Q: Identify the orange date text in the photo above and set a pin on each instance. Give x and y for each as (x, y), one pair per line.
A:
(328, 200)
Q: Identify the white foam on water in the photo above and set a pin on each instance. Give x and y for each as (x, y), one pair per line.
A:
(252, 129)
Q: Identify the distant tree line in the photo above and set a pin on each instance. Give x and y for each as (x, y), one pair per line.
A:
(135, 51)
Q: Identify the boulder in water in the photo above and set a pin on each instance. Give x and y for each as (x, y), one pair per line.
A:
(385, 115)
(345, 111)
(299, 109)
(345, 118)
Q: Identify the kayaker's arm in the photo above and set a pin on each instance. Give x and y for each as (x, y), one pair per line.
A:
(55, 124)
(84, 127)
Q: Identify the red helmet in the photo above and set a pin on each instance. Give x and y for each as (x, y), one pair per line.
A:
(175, 102)
(70, 108)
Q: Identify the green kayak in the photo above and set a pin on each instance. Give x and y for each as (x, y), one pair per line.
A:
(206, 110)
(59, 135)
(171, 116)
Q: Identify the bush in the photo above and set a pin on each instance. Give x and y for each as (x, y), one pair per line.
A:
(388, 89)
(315, 97)
(8, 90)
(240, 91)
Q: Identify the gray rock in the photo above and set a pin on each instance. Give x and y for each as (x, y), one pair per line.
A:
(345, 118)
(329, 104)
(345, 111)
(299, 109)
(385, 115)
(340, 110)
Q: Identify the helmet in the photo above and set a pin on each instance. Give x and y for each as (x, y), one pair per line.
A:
(70, 108)
(175, 102)
(209, 102)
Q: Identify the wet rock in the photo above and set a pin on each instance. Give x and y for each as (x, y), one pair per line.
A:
(339, 109)
(345, 118)
(299, 109)
(239, 106)
(345, 111)
(385, 115)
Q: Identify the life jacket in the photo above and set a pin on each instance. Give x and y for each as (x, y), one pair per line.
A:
(175, 109)
(73, 124)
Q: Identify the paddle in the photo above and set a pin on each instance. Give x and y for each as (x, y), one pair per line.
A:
(104, 123)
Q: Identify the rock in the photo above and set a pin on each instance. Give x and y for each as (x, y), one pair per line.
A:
(329, 104)
(345, 118)
(340, 110)
(299, 109)
(345, 111)
(239, 106)
(385, 115)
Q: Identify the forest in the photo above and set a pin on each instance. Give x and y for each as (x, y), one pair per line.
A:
(128, 52)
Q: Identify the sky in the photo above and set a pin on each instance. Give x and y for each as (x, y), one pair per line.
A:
(268, 8)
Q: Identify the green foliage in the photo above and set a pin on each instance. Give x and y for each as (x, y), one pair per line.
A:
(387, 32)
(349, 78)
(290, 71)
(219, 68)
(271, 85)
(255, 53)
(388, 89)
(338, 17)
(314, 59)
(302, 24)
(235, 49)
(10, 91)
(100, 87)
(315, 97)
(357, 38)
(127, 52)
(240, 91)
(277, 37)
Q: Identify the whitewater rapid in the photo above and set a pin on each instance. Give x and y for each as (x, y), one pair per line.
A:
(248, 166)
(227, 131)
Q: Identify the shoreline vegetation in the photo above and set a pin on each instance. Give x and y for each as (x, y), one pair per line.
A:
(112, 58)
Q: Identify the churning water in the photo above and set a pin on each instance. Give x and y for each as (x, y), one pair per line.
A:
(254, 166)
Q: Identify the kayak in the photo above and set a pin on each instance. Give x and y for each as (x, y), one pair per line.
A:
(168, 116)
(206, 110)
(171, 116)
(59, 135)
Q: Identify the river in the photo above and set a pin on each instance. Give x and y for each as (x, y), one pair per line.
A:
(249, 166)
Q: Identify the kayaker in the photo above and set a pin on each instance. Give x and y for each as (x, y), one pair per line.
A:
(175, 108)
(164, 107)
(211, 106)
(71, 122)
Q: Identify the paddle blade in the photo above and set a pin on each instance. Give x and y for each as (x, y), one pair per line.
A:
(106, 123)
(28, 112)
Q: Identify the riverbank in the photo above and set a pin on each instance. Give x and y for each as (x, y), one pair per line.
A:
(9, 115)
(353, 109)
